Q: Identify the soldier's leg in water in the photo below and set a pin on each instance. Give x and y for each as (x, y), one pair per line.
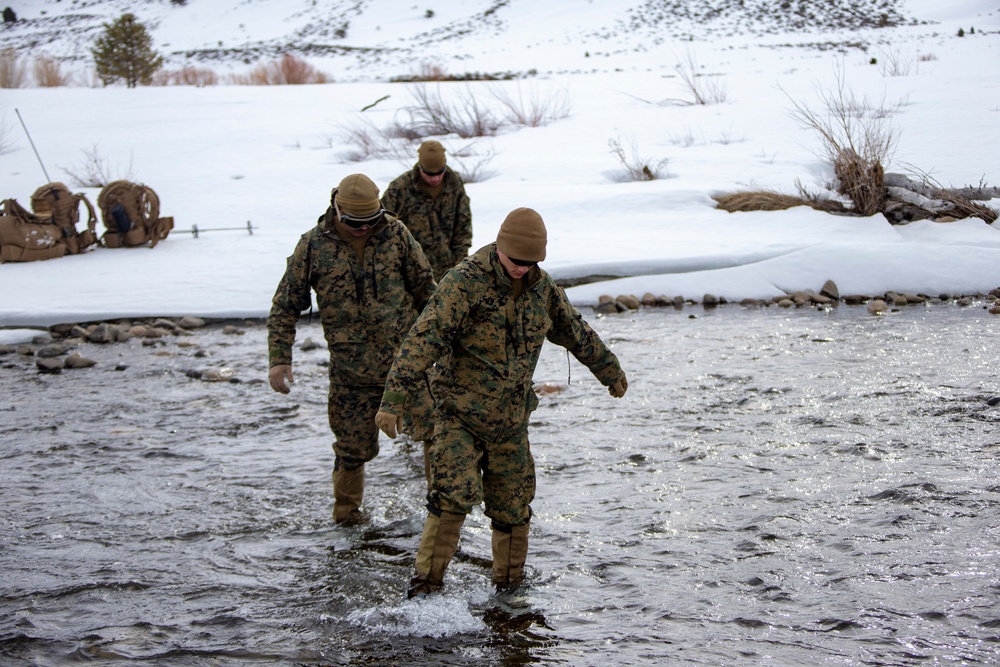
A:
(419, 421)
(351, 411)
(454, 465)
(508, 489)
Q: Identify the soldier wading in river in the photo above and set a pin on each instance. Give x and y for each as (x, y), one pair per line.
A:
(430, 200)
(484, 328)
(371, 279)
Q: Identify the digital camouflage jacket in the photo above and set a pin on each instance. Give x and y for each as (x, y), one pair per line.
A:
(485, 361)
(442, 225)
(365, 307)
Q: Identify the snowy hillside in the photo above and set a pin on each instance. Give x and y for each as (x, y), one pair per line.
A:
(373, 39)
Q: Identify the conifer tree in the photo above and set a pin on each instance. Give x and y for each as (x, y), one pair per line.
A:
(124, 52)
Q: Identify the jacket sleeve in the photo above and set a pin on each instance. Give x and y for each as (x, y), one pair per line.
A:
(291, 298)
(571, 331)
(429, 339)
(461, 238)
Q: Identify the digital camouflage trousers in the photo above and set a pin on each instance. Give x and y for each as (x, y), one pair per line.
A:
(351, 411)
(467, 470)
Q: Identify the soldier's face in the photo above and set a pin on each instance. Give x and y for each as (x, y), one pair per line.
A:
(515, 271)
(432, 179)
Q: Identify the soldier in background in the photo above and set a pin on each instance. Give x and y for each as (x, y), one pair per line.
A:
(371, 280)
(484, 328)
(430, 200)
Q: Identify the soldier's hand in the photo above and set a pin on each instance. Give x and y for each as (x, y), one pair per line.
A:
(389, 423)
(276, 376)
(619, 387)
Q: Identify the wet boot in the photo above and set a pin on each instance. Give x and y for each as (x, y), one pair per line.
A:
(348, 491)
(437, 545)
(510, 550)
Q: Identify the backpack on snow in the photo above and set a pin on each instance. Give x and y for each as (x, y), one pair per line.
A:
(131, 213)
(49, 229)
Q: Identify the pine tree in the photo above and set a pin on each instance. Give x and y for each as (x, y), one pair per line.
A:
(125, 52)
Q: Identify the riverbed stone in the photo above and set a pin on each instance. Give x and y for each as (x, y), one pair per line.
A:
(629, 301)
(829, 289)
(49, 364)
(49, 351)
(103, 334)
(165, 324)
(190, 322)
(649, 300)
(77, 360)
(309, 344)
(877, 307)
(222, 374)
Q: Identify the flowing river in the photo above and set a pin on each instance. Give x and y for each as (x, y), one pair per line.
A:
(779, 487)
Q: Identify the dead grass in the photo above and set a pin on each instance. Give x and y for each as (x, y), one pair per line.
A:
(287, 70)
(187, 76)
(48, 73)
(774, 201)
(13, 72)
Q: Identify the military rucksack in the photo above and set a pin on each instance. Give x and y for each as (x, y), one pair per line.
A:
(49, 229)
(131, 214)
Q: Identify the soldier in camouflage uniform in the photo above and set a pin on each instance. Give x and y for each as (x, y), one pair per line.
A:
(430, 199)
(484, 328)
(371, 280)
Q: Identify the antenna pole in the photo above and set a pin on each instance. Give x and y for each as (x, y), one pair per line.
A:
(47, 179)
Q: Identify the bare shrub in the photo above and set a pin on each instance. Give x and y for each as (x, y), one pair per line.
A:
(13, 72)
(532, 108)
(186, 76)
(856, 139)
(895, 63)
(287, 70)
(703, 89)
(472, 165)
(431, 114)
(94, 170)
(367, 141)
(429, 72)
(48, 73)
(637, 167)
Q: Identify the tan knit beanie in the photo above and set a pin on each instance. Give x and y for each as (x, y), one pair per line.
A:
(430, 156)
(357, 195)
(522, 235)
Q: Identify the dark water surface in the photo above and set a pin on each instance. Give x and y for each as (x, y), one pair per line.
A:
(778, 487)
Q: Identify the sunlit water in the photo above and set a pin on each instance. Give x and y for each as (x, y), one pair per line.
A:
(781, 487)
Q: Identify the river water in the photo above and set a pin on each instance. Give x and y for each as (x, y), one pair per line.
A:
(779, 487)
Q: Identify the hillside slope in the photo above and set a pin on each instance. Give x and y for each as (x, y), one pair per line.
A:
(372, 39)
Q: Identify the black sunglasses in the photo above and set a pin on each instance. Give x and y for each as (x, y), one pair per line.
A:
(523, 262)
(359, 221)
(434, 173)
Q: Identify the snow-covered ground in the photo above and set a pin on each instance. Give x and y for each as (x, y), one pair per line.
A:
(220, 156)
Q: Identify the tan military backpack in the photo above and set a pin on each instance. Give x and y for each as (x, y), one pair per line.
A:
(49, 230)
(131, 213)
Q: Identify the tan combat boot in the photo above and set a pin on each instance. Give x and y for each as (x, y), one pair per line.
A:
(348, 491)
(437, 545)
(510, 550)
